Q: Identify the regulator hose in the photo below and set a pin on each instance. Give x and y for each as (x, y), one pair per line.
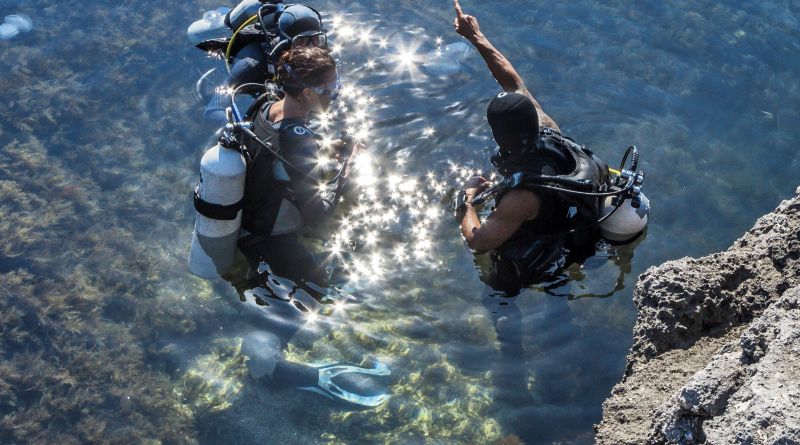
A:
(233, 39)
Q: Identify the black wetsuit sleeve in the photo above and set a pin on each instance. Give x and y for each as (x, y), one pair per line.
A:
(314, 198)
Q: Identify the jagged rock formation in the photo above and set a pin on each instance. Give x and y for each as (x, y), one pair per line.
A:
(716, 351)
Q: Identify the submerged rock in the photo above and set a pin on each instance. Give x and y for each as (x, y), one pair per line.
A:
(716, 351)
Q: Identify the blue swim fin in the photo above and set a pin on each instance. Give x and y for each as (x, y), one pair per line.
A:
(350, 383)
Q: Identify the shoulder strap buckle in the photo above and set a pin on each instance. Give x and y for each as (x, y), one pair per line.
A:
(516, 179)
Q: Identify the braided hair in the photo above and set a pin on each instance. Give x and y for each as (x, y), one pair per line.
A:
(304, 67)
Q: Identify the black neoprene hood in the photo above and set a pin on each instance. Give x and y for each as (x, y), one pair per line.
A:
(299, 19)
(514, 121)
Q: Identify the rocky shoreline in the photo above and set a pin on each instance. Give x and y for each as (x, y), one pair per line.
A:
(716, 349)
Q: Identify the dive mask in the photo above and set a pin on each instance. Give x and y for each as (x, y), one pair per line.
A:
(315, 39)
(331, 90)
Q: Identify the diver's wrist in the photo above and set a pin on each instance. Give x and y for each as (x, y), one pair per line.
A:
(463, 200)
(478, 39)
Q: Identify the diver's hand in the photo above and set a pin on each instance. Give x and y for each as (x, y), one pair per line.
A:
(475, 185)
(340, 149)
(357, 148)
(465, 24)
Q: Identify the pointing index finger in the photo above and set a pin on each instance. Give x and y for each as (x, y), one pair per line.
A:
(459, 12)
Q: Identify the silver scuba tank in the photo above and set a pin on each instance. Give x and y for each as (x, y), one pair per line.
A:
(627, 222)
(211, 26)
(218, 204)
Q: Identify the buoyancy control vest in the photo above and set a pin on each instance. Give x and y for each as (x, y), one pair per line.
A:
(286, 190)
(565, 220)
(270, 206)
(560, 162)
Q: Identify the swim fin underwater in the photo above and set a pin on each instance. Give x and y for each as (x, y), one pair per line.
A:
(337, 381)
(284, 314)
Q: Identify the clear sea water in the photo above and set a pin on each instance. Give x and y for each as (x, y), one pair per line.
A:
(106, 337)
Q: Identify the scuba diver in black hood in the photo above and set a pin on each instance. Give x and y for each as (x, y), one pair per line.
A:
(553, 198)
(263, 31)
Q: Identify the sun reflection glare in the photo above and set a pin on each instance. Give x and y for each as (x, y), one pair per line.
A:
(394, 218)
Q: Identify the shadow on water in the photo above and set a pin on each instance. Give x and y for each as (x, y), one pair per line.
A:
(106, 338)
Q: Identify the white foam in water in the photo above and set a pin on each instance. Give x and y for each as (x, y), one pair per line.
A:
(447, 59)
(21, 21)
(7, 31)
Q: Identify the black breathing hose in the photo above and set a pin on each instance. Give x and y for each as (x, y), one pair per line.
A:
(634, 158)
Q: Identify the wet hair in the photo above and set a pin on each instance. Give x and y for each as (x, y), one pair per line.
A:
(514, 122)
(304, 67)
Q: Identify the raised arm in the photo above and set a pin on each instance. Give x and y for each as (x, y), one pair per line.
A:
(500, 67)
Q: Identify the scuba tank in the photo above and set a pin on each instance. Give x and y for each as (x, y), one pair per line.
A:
(218, 199)
(218, 204)
(615, 205)
(212, 25)
(248, 9)
(241, 13)
(221, 22)
(625, 222)
(625, 215)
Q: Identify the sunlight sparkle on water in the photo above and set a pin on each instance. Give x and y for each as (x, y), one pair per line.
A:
(407, 59)
(393, 216)
(346, 31)
(339, 307)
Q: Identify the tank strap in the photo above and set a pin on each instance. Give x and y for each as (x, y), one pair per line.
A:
(216, 211)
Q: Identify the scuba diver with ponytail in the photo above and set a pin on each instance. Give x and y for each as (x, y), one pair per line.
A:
(286, 194)
(264, 173)
(263, 30)
(285, 189)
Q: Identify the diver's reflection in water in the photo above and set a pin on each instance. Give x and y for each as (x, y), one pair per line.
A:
(279, 308)
(600, 275)
(557, 278)
(510, 372)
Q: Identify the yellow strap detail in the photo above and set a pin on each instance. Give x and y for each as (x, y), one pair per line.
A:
(233, 38)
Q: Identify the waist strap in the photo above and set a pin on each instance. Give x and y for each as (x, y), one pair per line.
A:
(216, 211)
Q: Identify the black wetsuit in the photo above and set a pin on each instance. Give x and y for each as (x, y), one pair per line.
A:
(281, 200)
(538, 248)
